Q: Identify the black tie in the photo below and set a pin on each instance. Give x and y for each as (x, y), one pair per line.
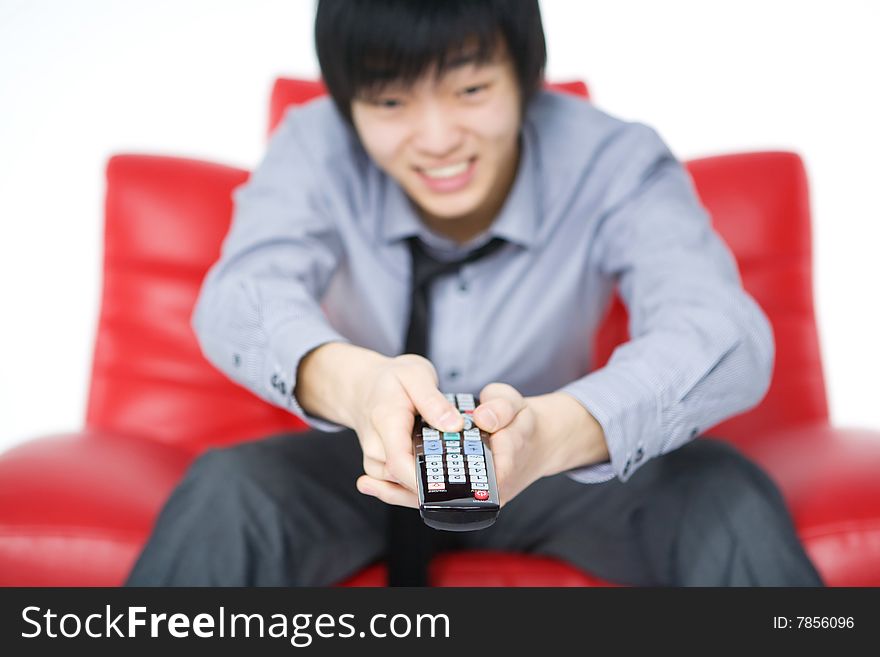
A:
(409, 538)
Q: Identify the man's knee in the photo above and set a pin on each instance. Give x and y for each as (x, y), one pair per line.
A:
(719, 474)
(719, 465)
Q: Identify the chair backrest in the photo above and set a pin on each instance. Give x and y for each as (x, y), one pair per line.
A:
(165, 219)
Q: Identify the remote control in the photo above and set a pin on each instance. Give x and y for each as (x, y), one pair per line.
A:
(455, 472)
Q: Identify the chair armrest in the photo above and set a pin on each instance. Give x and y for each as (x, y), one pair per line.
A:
(829, 478)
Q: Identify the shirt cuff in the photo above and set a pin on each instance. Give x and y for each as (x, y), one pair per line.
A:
(628, 412)
(287, 347)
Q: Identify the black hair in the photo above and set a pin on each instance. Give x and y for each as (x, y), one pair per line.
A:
(363, 44)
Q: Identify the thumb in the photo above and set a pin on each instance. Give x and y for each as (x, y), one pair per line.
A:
(499, 405)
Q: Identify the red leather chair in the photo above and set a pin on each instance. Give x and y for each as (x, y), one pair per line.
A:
(76, 508)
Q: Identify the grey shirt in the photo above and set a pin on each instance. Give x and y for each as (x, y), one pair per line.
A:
(316, 253)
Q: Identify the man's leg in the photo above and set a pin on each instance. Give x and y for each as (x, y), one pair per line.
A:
(701, 515)
(282, 511)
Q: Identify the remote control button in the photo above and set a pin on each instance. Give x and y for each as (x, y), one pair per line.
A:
(452, 443)
(430, 434)
(454, 456)
(465, 401)
(456, 479)
(453, 450)
(436, 486)
(481, 495)
(477, 471)
(479, 486)
(472, 434)
(476, 458)
(449, 396)
(468, 422)
(433, 448)
(455, 470)
(451, 435)
(436, 471)
(435, 478)
(479, 479)
(472, 448)
(433, 461)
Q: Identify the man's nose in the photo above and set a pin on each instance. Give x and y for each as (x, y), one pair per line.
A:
(437, 133)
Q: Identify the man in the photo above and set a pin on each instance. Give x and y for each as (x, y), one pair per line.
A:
(438, 138)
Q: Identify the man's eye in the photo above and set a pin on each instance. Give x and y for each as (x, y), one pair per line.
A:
(474, 90)
(387, 103)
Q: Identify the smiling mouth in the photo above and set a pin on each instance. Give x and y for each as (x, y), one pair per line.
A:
(448, 172)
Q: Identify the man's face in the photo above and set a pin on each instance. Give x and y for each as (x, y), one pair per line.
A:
(451, 143)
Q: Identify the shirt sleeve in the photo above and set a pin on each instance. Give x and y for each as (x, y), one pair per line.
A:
(258, 312)
(701, 349)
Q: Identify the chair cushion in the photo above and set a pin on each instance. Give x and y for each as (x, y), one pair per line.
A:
(489, 568)
(76, 509)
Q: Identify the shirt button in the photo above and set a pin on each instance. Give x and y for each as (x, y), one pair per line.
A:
(453, 374)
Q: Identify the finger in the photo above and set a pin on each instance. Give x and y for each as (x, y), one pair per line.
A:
(387, 492)
(371, 444)
(499, 405)
(394, 426)
(376, 469)
(428, 401)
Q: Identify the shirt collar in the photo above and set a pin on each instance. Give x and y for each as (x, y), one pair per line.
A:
(516, 222)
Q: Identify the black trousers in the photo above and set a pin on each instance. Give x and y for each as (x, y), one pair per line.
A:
(284, 511)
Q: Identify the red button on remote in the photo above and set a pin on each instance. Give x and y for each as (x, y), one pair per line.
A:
(481, 495)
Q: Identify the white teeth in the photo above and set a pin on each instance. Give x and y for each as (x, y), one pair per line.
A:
(447, 172)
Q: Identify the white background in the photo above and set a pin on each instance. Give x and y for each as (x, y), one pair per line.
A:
(82, 80)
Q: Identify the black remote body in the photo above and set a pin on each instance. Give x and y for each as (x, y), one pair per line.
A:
(455, 472)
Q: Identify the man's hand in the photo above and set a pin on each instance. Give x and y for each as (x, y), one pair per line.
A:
(534, 437)
(531, 437)
(387, 401)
